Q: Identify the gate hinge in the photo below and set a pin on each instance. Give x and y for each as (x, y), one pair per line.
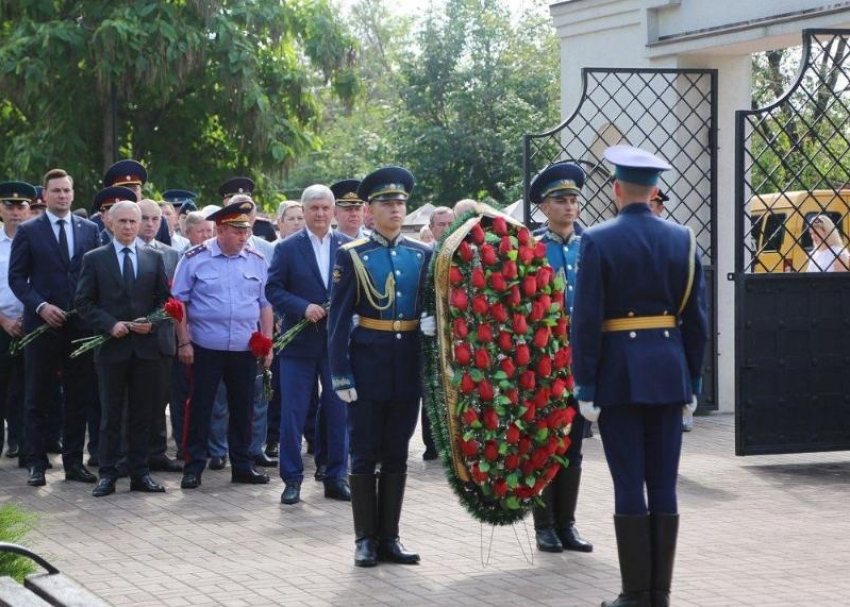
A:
(730, 276)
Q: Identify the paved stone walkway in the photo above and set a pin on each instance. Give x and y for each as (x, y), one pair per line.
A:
(765, 531)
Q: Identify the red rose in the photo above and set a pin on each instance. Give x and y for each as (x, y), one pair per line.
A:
(559, 361)
(540, 250)
(506, 343)
(544, 366)
(477, 475)
(459, 328)
(527, 469)
(485, 334)
(491, 451)
(560, 329)
(529, 286)
(571, 383)
(559, 297)
(537, 312)
(509, 269)
(564, 445)
(465, 251)
(523, 355)
(569, 414)
(523, 236)
(499, 312)
(530, 412)
(512, 435)
(467, 384)
(500, 487)
(526, 380)
(514, 297)
(558, 388)
(470, 417)
(541, 337)
(485, 391)
(541, 397)
(524, 492)
(513, 396)
(491, 418)
(508, 367)
(482, 359)
(552, 470)
(539, 485)
(544, 275)
(458, 299)
(544, 300)
(174, 309)
(519, 324)
(455, 276)
(568, 355)
(552, 445)
(463, 354)
(476, 234)
(511, 462)
(497, 282)
(260, 345)
(480, 305)
(526, 255)
(505, 246)
(524, 445)
(488, 255)
(539, 458)
(500, 226)
(469, 447)
(478, 280)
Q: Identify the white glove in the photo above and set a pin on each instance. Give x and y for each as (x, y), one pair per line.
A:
(589, 411)
(355, 320)
(691, 407)
(428, 325)
(347, 396)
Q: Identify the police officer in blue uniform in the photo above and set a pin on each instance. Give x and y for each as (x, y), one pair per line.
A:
(131, 174)
(556, 190)
(639, 329)
(376, 366)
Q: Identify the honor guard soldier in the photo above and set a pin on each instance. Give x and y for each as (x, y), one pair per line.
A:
(376, 366)
(639, 329)
(131, 174)
(556, 191)
(221, 284)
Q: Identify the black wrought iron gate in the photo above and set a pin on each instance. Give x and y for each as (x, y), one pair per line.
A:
(669, 112)
(793, 323)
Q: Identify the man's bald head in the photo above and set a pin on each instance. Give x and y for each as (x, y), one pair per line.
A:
(151, 218)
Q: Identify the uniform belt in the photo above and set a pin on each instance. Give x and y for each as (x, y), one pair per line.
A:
(394, 326)
(636, 323)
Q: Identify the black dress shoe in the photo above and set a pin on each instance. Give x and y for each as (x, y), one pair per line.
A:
(105, 486)
(78, 472)
(320, 472)
(55, 447)
(263, 461)
(36, 478)
(547, 540)
(249, 477)
(273, 449)
(190, 481)
(13, 451)
(337, 489)
(391, 550)
(291, 493)
(430, 455)
(94, 461)
(146, 484)
(163, 463)
(365, 553)
(218, 463)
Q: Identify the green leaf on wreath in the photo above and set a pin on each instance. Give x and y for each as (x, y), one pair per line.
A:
(469, 435)
(559, 283)
(484, 466)
(500, 375)
(476, 424)
(521, 411)
(554, 308)
(530, 481)
(512, 503)
(502, 400)
(551, 322)
(505, 385)
(503, 448)
(512, 255)
(476, 375)
(457, 377)
(542, 434)
(513, 480)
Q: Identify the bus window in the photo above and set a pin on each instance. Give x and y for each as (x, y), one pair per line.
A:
(774, 231)
(806, 240)
(755, 231)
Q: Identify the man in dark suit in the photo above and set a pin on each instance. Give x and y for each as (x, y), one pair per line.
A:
(44, 266)
(298, 287)
(120, 284)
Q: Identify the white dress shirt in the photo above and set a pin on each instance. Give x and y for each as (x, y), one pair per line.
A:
(322, 250)
(69, 230)
(119, 251)
(10, 307)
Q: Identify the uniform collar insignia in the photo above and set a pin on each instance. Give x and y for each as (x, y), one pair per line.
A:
(560, 239)
(383, 241)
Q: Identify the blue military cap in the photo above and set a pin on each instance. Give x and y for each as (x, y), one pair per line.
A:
(634, 165)
(559, 178)
(16, 192)
(388, 183)
(38, 201)
(236, 185)
(109, 196)
(187, 207)
(345, 193)
(124, 173)
(235, 214)
(177, 197)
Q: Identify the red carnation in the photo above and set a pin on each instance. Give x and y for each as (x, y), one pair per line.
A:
(524, 444)
(485, 334)
(506, 344)
(500, 226)
(455, 276)
(540, 250)
(465, 251)
(526, 380)
(500, 487)
(478, 280)
(529, 286)
(485, 391)
(467, 384)
(514, 297)
(519, 324)
(530, 412)
(505, 245)
(470, 417)
(552, 445)
(174, 309)
(260, 345)
(560, 329)
(513, 396)
(497, 282)
(569, 414)
(537, 312)
(524, 492)
(459, 328)
(488, 255)
(539, 485)
(539, 458)
(544, 275)
(479, 476)
(476, 234)
(512, 435)
(491, 418)
(458, 299)
(511, 462)
(507, 365)
(541, 337)
(480, 305)
(509, 269)
(523, 355)
(491, 451)
(544, 366)
(523, 236)
(558, 388)
(560, 359)
(482, 359)
(469, 447)
(526, 255)
(463, 354)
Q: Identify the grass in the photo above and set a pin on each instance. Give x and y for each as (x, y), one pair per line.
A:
(15, 523)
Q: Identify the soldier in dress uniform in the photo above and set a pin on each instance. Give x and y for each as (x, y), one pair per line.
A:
(376, 366)
(639, 328)
(131, 174)
(556, 191)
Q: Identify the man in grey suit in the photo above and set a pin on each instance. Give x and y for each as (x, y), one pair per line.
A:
(121, 283)
(158, 460)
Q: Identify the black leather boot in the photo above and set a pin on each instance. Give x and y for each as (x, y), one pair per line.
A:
(635, 555)
(390, 498)
(363, 506)
(544, 523)
(665, 530)
(566, 483)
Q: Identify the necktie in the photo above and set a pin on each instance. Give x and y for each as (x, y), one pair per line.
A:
(63, 242)
(127, 270)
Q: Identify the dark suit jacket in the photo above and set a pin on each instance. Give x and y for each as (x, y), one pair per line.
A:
(103, 300)
(294, 283)
(37, 273)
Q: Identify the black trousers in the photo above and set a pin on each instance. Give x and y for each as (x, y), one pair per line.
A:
(129, 382)
(11, 392)
(47, 361)
(379, 432)
(159, 425)
(273, 413)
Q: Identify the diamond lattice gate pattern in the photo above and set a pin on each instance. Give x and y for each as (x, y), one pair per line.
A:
(669, 112)
(793, 217)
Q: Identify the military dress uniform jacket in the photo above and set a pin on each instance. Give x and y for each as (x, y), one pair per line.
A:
(378, 280)
(562, 255)
(637, 265)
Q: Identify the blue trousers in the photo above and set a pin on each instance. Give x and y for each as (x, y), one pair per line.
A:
(298, 377)
(236, 371)
(260, 423)
(642, 445)
(380, 433)
(217, 444)
(273, 414)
